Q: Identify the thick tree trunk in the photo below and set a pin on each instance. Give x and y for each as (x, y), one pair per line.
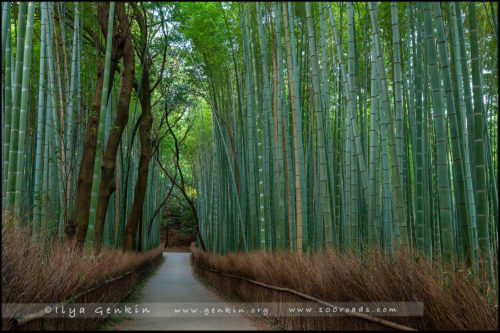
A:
(107, 185)
(77, 225)
(140, 247)
(142, 174)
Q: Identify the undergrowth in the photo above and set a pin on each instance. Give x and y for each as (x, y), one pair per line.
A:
(452, 300)
(37, 272)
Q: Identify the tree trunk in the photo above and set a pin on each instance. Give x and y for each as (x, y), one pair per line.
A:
(76, 228)
(146, 148)
(140, 245)
(107, 185)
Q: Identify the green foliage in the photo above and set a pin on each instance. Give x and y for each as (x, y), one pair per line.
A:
(218, 58)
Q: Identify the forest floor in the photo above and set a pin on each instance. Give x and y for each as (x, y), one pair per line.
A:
(173, 287)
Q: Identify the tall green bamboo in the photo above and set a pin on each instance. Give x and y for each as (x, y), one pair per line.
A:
(260, 125)
(373, 153)
(301, 203)
(441, 140)
(465, 232)
(463, 135)
(325, 99)
(39, 157)
(73, 100)
(284, 151)
(323, 177)
(417, 189)
(24, 102)
(5, 25)
(56, 176)
(478, 132)
(396, 175)
(387, 227)
(12, 191)
(8, 117)
(353, 227)
(5, 33)
(252, 221)
(350, 112)
(421, 223)
(398, 99)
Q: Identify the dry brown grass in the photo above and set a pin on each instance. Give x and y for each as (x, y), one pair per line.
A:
(452, 300)
(35, 273)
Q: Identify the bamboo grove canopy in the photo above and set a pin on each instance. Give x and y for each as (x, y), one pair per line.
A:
(347, 125)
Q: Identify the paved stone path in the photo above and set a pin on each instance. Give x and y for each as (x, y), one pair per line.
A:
(172, 285)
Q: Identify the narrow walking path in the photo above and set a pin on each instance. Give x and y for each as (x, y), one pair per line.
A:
(171, 286)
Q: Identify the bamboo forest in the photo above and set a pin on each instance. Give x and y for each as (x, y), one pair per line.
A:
(271, 157)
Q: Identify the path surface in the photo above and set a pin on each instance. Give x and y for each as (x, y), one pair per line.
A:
(174, 284)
